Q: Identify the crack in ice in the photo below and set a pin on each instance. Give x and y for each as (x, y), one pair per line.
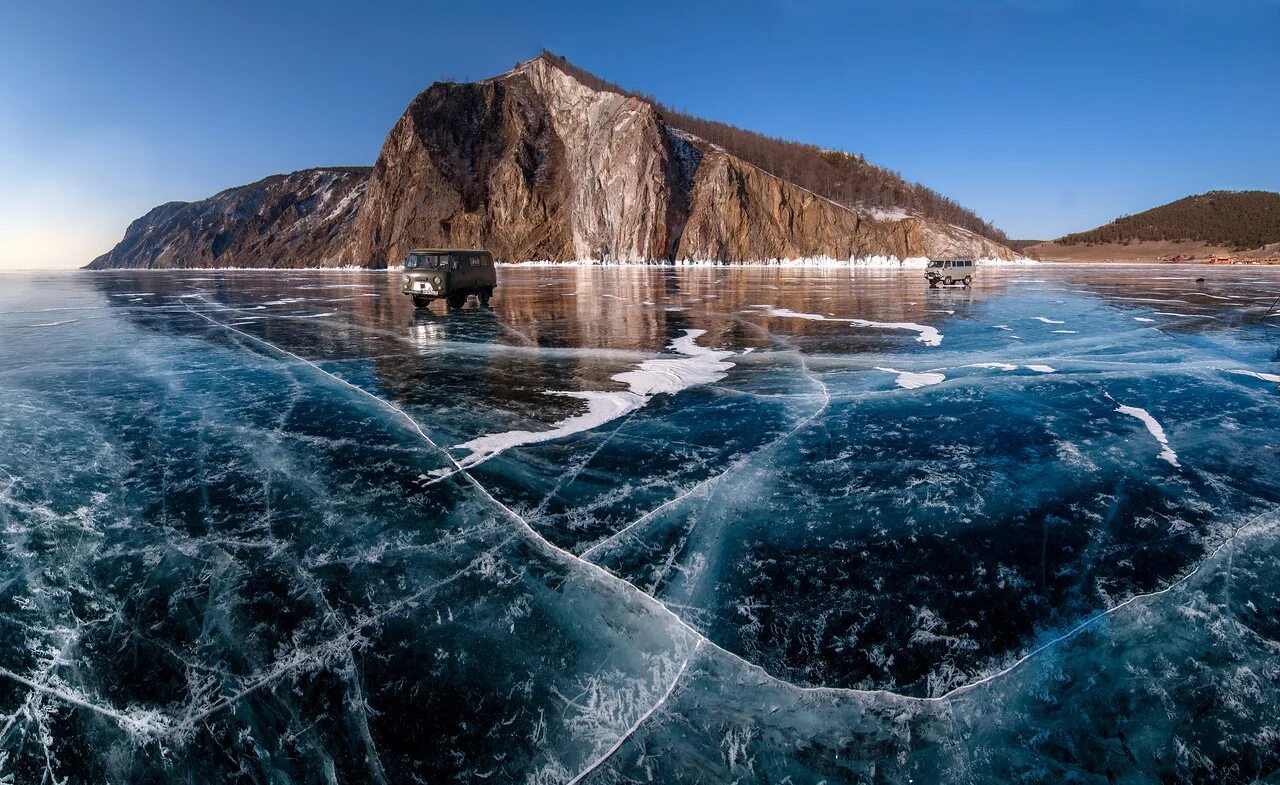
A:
(617, 745)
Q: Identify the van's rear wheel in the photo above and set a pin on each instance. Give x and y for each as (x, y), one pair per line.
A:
(968, 280)
(457, 299)
(421, 302)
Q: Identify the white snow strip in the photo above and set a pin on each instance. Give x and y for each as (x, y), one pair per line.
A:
(1064, 332)
(697, 365)
(1155, 429)
(1266, 377)
(52, 324)
(1011, 367)
(1142, 319)
(926, 334)
(911, 262)
(913, 379)
(1047, 320)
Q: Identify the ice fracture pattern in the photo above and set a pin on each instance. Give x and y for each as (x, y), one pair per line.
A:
(755, 525)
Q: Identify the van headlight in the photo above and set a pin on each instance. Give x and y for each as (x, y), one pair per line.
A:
(437, 280)
(407, 280)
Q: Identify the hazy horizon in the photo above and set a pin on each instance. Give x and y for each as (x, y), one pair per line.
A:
(1044, 118)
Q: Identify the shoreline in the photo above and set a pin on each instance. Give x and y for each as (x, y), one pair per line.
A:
(812, 264)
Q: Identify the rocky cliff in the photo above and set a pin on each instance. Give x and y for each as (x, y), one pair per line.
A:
(304, 219)
(534, 165)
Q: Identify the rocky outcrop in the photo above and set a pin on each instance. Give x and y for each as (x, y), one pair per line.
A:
(304, 219)
(533, 165)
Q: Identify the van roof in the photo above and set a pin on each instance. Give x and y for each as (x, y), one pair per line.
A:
(448, 250)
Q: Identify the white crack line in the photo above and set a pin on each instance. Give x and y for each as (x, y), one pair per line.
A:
(644, 718)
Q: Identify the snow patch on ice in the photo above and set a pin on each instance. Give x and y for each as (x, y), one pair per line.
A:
(925, 334)
(1047, 320)
(52, 324)
(1266, 377)
(1155, 429)
(914, 379)
(1012, 367)
(696, 365)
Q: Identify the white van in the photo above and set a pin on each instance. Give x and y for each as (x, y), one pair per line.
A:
(949, 271)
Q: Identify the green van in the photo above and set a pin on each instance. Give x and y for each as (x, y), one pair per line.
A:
(450, 274)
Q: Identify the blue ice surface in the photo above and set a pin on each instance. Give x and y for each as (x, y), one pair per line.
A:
(238, 544)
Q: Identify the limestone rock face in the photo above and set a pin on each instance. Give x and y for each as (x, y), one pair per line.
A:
(532, 165)
(304, 219)
(535, 165)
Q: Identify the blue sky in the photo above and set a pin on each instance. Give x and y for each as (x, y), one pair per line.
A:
(1044, 116)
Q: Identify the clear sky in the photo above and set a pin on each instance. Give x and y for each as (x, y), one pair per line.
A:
(1044, 116)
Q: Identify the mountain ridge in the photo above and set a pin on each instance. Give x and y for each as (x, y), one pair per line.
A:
(535, 165)
(878, 186)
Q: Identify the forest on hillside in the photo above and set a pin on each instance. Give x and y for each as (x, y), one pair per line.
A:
(1239, 219)
(840, 176)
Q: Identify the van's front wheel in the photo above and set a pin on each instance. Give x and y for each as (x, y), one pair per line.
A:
(421, 302)
(948, 280)
(456, 299)
(484, 295)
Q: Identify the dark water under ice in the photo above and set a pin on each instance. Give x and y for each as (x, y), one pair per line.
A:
(633, 525)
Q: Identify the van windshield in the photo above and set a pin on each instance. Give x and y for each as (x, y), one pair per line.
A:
(422, 261)
(935, 264)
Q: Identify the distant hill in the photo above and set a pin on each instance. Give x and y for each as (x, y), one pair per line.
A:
(1239, 220)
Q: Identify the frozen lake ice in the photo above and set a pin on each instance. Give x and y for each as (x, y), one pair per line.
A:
(641, 524)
